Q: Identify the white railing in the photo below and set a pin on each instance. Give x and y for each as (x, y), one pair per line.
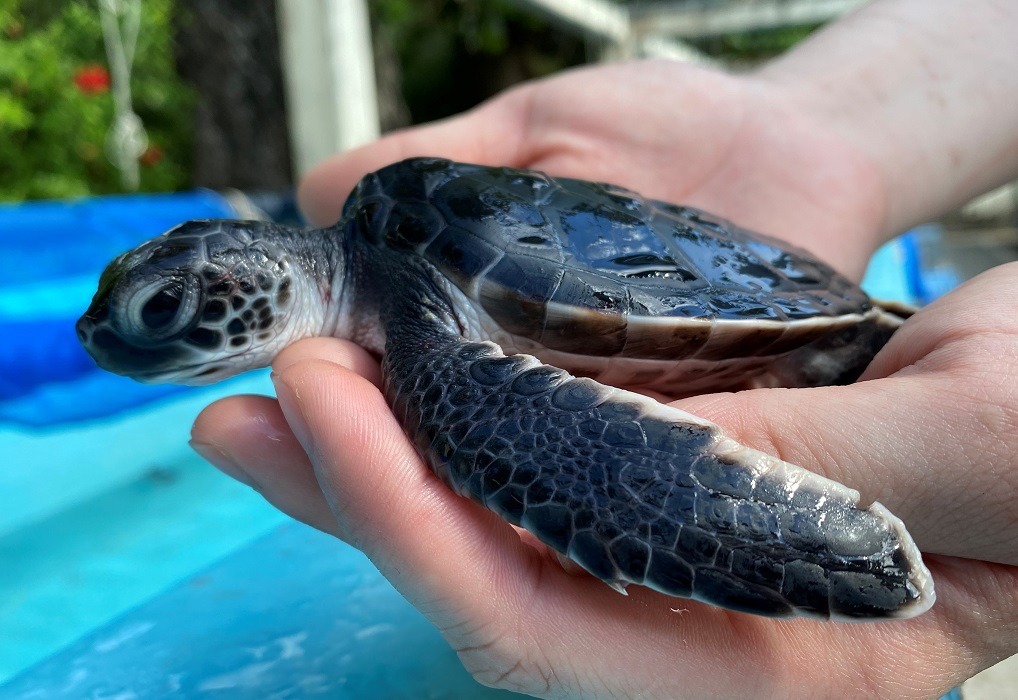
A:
(329, 72)
(610, 26)
(701, 18)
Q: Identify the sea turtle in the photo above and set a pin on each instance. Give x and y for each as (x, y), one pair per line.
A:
(482, 288)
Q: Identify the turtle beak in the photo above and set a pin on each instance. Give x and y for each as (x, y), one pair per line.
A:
(101, 343)
(111, 351)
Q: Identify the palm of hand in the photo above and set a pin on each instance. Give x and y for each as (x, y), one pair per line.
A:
(516, 617)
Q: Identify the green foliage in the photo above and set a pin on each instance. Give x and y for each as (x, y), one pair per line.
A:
(455, 53)
(755, 46)
(56, 107)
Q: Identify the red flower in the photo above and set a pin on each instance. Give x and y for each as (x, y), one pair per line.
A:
(151, 156)
(92, 79)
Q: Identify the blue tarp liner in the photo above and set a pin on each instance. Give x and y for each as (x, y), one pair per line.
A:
(928, 277)
(46, 240)
(53, 254)
(39, 351)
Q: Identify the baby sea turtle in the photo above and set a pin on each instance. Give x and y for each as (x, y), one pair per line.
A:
(482, 289)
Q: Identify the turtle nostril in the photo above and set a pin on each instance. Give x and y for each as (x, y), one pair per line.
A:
(83, 326)
(162, 308)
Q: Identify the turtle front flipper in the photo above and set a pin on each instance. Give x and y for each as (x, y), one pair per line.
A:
(638, 492)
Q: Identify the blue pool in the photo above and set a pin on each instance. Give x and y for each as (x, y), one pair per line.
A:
(128, 567)
(103, 503)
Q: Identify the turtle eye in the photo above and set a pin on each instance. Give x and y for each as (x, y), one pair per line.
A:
(160, 310)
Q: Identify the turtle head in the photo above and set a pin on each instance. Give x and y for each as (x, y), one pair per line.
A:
(202, 302)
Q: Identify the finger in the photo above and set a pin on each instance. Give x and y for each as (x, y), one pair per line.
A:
(981, 307)
(909, 443)
(491, 134)
(335, 350)
(856, 436)
(247, 438)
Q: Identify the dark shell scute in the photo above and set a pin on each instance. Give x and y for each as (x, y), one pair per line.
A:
(488, 207)
(515, 292)
(426, 175)
(412, 224)
(587, 314)
(462, 255)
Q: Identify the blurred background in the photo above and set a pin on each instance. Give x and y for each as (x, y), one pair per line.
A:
(121, 118)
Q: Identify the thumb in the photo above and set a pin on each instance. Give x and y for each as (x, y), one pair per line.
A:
(931, 433)
(830, 431)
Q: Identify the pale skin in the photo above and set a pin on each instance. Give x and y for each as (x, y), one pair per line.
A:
(883, 120)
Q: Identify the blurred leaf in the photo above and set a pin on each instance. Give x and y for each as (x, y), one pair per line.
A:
(456, 53)
(13, 114)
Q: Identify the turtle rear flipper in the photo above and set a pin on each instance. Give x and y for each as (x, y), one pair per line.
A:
(638, 492)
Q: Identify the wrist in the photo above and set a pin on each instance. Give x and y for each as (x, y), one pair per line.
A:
(923, 89)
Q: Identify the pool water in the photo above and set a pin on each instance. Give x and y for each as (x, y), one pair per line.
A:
(102, 503)
(112, 542)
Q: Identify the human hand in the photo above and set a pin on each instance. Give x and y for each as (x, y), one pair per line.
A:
(931, 432)
(734, 146)
(931, 435)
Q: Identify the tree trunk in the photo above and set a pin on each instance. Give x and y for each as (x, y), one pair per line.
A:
(229, 51)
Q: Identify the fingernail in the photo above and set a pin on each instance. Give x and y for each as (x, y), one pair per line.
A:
(289, 401)
(222, 461)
